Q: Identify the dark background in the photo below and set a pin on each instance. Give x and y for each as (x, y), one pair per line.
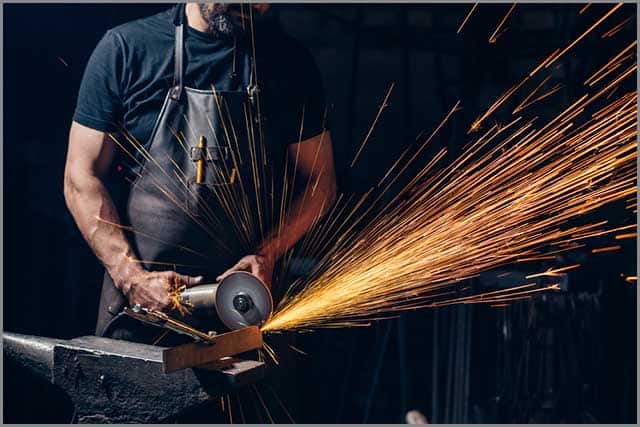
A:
(565, 357)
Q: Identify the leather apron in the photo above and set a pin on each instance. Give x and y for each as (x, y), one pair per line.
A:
(179, 223)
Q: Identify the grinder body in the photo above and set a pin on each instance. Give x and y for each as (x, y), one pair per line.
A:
(241, 299)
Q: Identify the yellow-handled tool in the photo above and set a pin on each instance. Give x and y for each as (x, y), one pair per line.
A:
(202, 146)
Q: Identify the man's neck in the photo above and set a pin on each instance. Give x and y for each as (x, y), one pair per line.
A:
(194, 19)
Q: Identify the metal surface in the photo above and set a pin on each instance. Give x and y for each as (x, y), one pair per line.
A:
(224, 345)
(34, 353)
(112, 381)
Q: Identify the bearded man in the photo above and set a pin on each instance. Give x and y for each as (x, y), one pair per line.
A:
(170, 125)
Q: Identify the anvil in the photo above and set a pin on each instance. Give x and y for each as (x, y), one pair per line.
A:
(114, 381)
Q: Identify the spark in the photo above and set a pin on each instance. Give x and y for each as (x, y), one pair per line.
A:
(373, 125)
(490, 207)
(553, 57)
(160, 337)
(586, 6)
(270, 352)
(529, 101)
(536, 258)
(615, 61)
(583, 35)
(228, 399)
(554, 272)
(169, 264)
(264, 406)
(626, 236)
(493, 38)
(631, 279)
(606, 249)
(63, 61)
(544, 62)
(475, 126)
(467, 18)
(132, 230)
(296, 349)
(176, 302)
(616, 29)
(282, 405)
(240, 407)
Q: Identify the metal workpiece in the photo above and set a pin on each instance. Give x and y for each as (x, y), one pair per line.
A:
(114, 381)
(221, 347)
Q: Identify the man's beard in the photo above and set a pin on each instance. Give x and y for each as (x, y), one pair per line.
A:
(219, 21)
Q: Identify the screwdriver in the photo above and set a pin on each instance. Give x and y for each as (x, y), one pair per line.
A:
(202, 145)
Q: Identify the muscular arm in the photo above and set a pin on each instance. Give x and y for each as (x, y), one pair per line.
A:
(315, 164)
(89, 156)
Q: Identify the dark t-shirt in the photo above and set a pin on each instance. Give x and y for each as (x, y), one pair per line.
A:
(131, 69)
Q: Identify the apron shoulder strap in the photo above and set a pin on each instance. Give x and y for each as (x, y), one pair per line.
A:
(178, 54)
(178, 59)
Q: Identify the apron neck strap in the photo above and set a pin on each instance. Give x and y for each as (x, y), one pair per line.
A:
(178, 58)
(178, 53)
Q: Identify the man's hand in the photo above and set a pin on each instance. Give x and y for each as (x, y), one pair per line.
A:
(258, 265)
(150, 289)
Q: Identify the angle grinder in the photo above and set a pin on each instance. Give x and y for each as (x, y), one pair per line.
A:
(241, 299)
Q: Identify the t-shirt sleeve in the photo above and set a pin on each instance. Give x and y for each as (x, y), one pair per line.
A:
(99, 104)
(306, 103)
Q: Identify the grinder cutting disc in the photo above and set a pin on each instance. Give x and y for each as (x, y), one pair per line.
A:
(242, 300)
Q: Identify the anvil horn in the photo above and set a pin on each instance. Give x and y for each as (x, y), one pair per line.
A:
(31, 352)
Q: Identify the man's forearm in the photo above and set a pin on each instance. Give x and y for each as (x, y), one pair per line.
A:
(299, 219)
(97, 218)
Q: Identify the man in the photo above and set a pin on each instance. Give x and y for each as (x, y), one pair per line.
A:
(171, 109)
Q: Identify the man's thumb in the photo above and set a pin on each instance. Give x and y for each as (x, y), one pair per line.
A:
(191, 281)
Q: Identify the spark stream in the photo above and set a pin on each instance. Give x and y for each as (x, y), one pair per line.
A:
(505, 198)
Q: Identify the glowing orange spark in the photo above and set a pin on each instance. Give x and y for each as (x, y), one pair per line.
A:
(572, 44)
(373, 125)
(536, 258)
(616, 28)
(475, 126)
(493, 37)
(544, 62)
(553, 272)
(626, 236)
(529, 101)
(610, 63)
(606, 249)
(467, 18)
